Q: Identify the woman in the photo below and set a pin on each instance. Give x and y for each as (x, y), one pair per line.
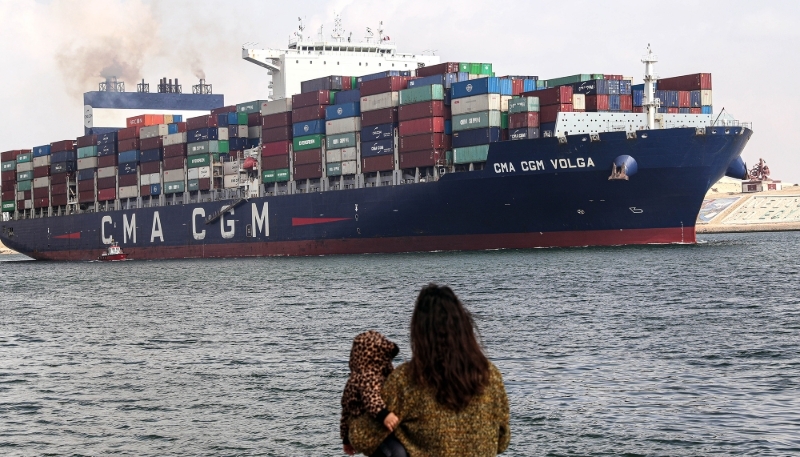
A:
(449, 398)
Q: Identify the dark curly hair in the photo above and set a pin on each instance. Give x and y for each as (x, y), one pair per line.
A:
(446, 355)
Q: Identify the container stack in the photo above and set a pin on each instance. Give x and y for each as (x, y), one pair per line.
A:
(8, 177)
(477, 108)
(523, 118)
(107, 150)
(343, 138)
(63, 164)
(238, 130)
(87, 168)
(308, 136)
(276, 143)
(552, 101)
(688, 94)
(153, 141)
(424, 125)
(250, 115)
(24, 176)
(380, 99)
(609, 94)
(207, 145)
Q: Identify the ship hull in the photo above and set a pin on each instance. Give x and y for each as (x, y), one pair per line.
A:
(533, 193)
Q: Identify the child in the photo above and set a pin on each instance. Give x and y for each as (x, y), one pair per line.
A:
(370, 365)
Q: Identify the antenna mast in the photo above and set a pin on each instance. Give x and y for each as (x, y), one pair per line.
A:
(649, 101)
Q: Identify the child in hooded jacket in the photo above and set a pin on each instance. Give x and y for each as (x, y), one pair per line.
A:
(370, 365)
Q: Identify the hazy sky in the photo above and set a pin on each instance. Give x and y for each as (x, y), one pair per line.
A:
(53, 51)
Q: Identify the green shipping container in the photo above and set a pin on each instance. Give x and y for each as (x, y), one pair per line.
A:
(9, 207)
(207, 147)
(24, 176)
(568, 80)
(422, 94)
(197, 161)
(88, 151)
(504, 120)
(241, 118)
(282, 175)
(268, 176)
(463, 67)
(470, 154)
(523, 105)
(334, 169)
(173, 187)
(250, 107)
(9, 166)
(596, 76)
(486, 69)
(479, 120)
(24, 185)
(302, 143)
(344, 140)
(353, 82)
(474, 68)
(193, 185)
(24, 158)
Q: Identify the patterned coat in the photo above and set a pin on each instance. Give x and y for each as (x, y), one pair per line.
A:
(370, 365)
(428, 429)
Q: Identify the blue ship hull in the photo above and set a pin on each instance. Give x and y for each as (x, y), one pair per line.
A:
(531, 193)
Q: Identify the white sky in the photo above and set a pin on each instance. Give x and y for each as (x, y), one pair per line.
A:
(51, 50)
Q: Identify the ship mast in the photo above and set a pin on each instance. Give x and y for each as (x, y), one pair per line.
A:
(649, 101)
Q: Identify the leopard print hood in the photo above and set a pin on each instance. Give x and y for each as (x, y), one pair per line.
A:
(371, 351)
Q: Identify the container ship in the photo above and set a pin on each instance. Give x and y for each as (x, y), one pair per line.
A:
(359, 148)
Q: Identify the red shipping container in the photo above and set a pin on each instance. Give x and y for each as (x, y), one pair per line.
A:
(86, 185)
(202, 122)
(20, 205)
(65, 145)
(85, 141)
(383, 85)
(523, 120)
(308, 113)
(149, 168)
(626, 102)
(276, 134)
(144, 191)
(697, 81)
(127, 145)
(272, 121)
(423, 109)
(105, 195)
(275, 162)
(440, 69)
(673, 110)
(8, 156)
(307, 171)
(553, 96)
(59, 178)
(9, 195)
(41, 172)
(41, 192)
(175, 150)
(86, 197)
(181, 127)
(8, 186)
(42, 203)
(549, 113)
(517, 86)
(27, 195)
(58, 189)
(425, 142)
(145, 120)
(317, 97)
(151, 143)
(422, 158)
(613, 77)
(640, 109)
(204, 184)
(276, 148)
(378, 163)
(174, 163)
(107, 161)
(695, 110)
(379, 116)
(224, 110)
(128, 180)
(107, 183)
(598, 103)
(684, 99)
(59, 200)
(309, 156)
(253, 119)
(421, 126)
(128, 133)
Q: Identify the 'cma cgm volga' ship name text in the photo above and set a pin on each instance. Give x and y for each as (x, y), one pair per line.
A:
(539, 165)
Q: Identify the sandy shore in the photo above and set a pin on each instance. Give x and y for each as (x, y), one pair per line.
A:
(5, 250)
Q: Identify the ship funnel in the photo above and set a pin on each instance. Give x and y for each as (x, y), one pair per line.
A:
(112, 85)
(202, 88)
(166, 86)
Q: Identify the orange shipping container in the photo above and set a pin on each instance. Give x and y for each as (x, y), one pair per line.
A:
(145, 120)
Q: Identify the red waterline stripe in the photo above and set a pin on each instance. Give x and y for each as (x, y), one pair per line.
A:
(69, 236)
(298, 221)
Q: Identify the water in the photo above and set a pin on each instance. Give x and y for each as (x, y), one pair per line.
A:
(654, 350)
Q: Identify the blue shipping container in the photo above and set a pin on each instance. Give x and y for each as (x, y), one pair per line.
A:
(695, 99)
(222, 120)
(343, 110)
(529, 85)
(476, 136)
(237, 144)
(529, 133)
(547, 127)
(172, 128)
(107, 138)
(481, 86)
(155, 189)
(233, 118)
(625, 87)
(638, 97)
(347, 96)
(206, 134)
(106, 149)
(591, 87)
(462, 76)
(150, 155)
(684, 110)
(377, 132)
(383, 74)
(707, 109)
(86, 175)
(63, 167)
(613, 103)
(377, 148)
(613, 87)
(669, 98)
(63, 156)
(253, 143)
(427, 81)
(128, 157)
(127, 168)
(309, 128)
(41, 151)
(448, 127)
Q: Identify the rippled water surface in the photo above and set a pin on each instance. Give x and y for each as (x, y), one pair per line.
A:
(656, 350)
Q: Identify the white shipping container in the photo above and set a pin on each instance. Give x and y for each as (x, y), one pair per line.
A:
(203, 172)
(254, 131)
(20, 196)
(349, 167)
(144, 180)
(241, 131)
(276, 106)
(230, 168)
(129, 192)
(192, 173)
(231, 181)
(222, 133)
(349, 154)
(38, 183)
(175, 138)
(43, 161)
(28, 204)
(87, 162)
(26, 166)
(578, 101)
(106, 172)
(344, 125)
(476, 103)
(333, 155)
(705, 98)
(174, 175)
(380, 101)
(154, 131)
(155, 178)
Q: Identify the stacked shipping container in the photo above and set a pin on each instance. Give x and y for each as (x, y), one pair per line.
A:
(276, 139)
(478, 106)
